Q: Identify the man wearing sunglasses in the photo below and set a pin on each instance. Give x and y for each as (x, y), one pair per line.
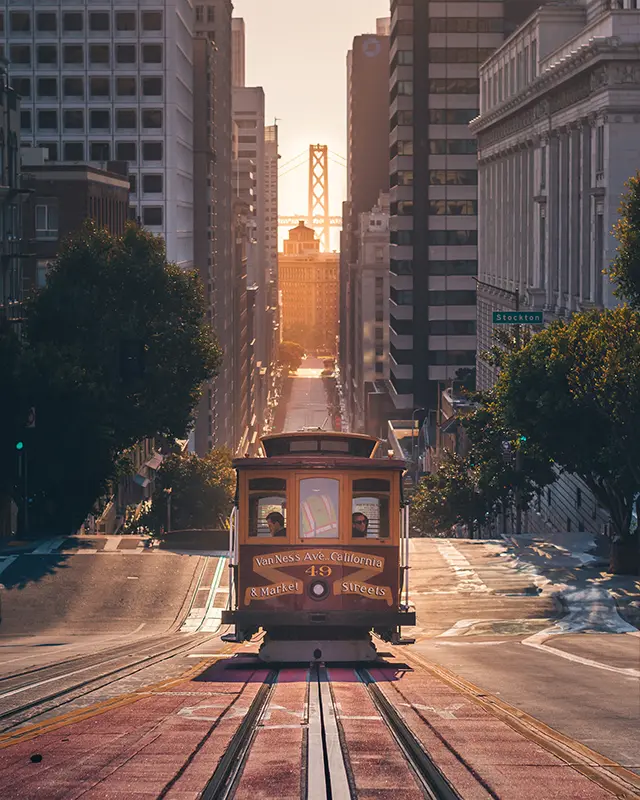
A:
(360, 523)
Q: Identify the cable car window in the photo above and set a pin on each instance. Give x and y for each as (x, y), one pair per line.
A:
(268, 507)
(304, 446)
(319, 508)
(331, 445)
(370, 509)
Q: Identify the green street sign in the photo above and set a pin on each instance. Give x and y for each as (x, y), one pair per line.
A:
(517, 318)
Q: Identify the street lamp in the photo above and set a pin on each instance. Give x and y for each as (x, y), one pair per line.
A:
(413, 453)
(168, 493)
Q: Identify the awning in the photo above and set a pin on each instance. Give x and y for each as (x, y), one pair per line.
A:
(141, 480)
(155, 461)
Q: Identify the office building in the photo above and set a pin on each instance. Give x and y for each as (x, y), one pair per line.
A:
(238, 52)
(558, 137)
(436, 50)
(309, 284)
(100, 83)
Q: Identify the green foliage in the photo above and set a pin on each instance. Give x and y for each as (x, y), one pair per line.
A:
(290, 355)
(448, 497)
(102, 293)
(625, 268)
(574, 392)
(202, 491)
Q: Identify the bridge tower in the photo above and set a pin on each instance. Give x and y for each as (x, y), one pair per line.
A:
(319, 191)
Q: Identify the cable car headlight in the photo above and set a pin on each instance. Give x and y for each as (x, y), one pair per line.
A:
(318, 590)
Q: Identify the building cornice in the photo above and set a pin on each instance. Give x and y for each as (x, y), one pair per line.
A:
(585, 57)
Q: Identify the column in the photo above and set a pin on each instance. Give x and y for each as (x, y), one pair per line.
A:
(585, 215)
(552, 212)
(563, 223)
(574, 220)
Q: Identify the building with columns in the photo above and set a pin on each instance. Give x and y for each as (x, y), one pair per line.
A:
(558, 136)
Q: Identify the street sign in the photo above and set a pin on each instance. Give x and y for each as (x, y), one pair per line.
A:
(517, 318)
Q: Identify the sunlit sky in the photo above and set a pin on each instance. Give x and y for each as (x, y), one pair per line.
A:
(297, 51)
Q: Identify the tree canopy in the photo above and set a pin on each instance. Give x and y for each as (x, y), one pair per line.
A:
(574, 391)
(290, 355)
(202, 491)
(115, 350)
(625, 268)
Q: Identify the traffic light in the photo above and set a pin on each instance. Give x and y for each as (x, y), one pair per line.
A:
(19, 445)
(523, 438)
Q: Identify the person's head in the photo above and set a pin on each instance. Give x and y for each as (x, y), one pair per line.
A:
(360, 521)
(275, 521)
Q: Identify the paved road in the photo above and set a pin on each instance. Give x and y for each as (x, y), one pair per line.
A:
(307, 406)
(489, 612)
(66, 602)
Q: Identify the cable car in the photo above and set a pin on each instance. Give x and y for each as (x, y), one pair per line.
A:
(319, 548)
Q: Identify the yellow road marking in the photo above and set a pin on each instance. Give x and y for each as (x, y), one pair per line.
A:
(591, 764)
(27, 732)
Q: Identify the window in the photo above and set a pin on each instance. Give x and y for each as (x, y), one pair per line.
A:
(99, 54)
(453, 238)
(42, 267)
(126, 54)
(403, 148)
(51, 148)
(48, 120)
(466, 25)
(125, 21)
(452, 116)
(401, 237)
(405, 88)
(452, 327)
(268, 507)
(100, 119)
(405, 208)
(20, 54)
(543, 167)
(405, 178)
(47, 22)
(379, 368)
(211, 14)
(456, 267)
(403, 266)
(319, 508)
(152, 184)
(133, 184)
(72, 22)
(452, 358)
(47, 88)
(74, 151)
(460, 55)
(25, 120)
(20, 22)
(126, 119)
(453, 208)
(100, 87)
(73, 87)
(151, 20)
(99, 21)
(47, 55)
(46, 222)
(454, 86)
(152, 54)
(73, 54)
(455, 147)
(152, 151)
(152, 118)
(452, 298)
(401, 297)
(453, 177)
(22, 86)
(370, 508)
(100, 151)
(404, 58)
(126, 151)
(152, 87)
(199, 13)
(73, 119)
(152, 215)
(126, 87)
(404, 27)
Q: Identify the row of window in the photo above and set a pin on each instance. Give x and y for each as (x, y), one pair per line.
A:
(436, 357)
(437, 327)
(438, 177)
(74, 21)
(436, 267)
(466, 25)
(151, 152)
(100, 87)
(454, 86)
(437, 147)
(99, 119)
(456, 238)
(452, 297)
(73, 55)
(452, 116)
(460, 55)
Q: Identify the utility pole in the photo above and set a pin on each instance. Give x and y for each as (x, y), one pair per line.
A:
(414, 457)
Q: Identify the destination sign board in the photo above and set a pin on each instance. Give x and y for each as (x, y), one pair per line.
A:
(517, 318)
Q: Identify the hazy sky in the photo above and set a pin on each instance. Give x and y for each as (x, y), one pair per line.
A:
(296, 50)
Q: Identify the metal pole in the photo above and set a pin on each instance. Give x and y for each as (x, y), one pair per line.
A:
(168, 511)
(26, 495)
(518, 498)
(413, 451)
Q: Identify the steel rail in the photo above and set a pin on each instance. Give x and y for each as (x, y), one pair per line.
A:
(434, 783)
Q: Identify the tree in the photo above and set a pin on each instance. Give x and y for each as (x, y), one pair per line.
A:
(202, 491)
(625, 268)
(290, 355)
(116, 350)
(574, 391)
(449, 497)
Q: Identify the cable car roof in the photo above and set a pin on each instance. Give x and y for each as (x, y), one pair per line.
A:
(320, 443)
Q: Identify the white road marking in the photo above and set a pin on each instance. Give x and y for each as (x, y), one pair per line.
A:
(445, 713)
(207, 618)
(469, 580)
(111, 543)
(7, 562)
(49, 546)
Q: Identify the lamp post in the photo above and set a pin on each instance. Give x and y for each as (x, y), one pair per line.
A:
(168, 493)
(413, 452)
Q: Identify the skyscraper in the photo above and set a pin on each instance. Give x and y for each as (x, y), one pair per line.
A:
(238, 52)
(99, 84)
